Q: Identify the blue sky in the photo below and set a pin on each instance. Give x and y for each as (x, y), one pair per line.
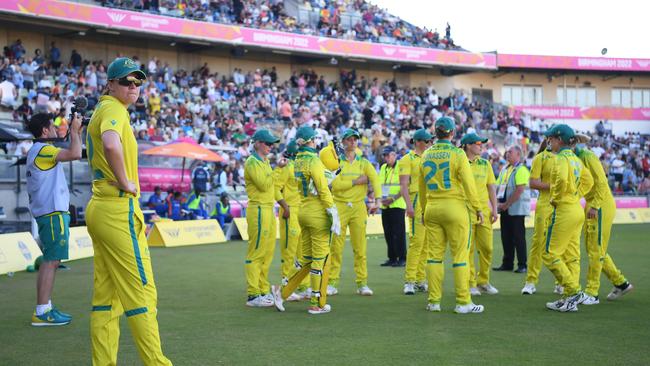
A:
(550, 27)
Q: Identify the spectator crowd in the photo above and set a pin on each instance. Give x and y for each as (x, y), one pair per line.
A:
(370, 23)
(223, 111)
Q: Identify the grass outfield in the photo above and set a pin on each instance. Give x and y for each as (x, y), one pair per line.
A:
(203, 319)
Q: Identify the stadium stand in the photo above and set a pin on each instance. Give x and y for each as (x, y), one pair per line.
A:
(346, 19)
(224, 110)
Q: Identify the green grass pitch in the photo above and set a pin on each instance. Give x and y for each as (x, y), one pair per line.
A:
(203, 320)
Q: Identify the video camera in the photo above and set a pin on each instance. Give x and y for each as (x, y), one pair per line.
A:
(80, 105)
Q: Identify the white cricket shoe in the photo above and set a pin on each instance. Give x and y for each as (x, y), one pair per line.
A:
(277, 297)
(578, 298)
(529, 289)
(409, 288)
(294, 297)
(562, 305)
(469, 309)
(488, 289)
(305, 295)
(364, 291)
(259, 302)
(315, 310)
(433, 307)
(619, 291)
(474, 291)
(269, 297)
(559, 290)
(331, 290)
(422, 286)
(590, 300)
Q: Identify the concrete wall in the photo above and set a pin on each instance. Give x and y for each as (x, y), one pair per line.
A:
(495, 81)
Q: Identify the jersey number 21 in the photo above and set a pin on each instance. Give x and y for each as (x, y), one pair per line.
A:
(434, 169)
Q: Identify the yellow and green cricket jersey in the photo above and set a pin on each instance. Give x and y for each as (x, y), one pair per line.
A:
(569, 179)
(483, 176)
(286, 185)
(409, 165)
(343, 188)
(258, 177)
(541, 169)
(445, 173)
(309, 173)
(111, 115)
(600, 191)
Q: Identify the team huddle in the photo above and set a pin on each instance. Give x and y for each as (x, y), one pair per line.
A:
(451, 199)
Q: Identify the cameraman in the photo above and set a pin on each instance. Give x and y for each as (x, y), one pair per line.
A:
(49, 201)
(123, 277)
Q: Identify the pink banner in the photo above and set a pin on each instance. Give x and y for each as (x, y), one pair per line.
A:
(631, 202)
(621, 202)
(164, 178)
(610, 113)
(573, 63)
(203, 31)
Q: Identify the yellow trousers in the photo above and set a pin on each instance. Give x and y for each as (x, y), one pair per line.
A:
(261, 245)
(597, 233)
(123, 282)
(315, 242)
(482, 239)
(290, 248)
(543, 212)
(448, 223)
(416, 256)
(562, 247)
(354, 216)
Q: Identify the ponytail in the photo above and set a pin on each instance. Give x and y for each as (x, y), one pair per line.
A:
(543, 146)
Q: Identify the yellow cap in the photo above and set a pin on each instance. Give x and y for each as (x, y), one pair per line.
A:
(329, 158)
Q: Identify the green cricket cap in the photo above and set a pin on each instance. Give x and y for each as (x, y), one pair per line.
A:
(562, 131)
(349, 133)
(264, 135)
(292, 147)
(422, 135)
(123, 66)
(445, 124)
(305, 133)
(472, 138)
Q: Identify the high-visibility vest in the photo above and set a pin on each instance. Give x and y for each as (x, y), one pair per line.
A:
(389, 179)
(193, 201)
(220, 210)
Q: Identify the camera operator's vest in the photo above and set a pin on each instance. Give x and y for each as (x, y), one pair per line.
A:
(47, 189)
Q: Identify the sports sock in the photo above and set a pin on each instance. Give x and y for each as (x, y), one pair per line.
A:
(44, 308)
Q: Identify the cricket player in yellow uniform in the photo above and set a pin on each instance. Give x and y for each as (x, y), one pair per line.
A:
(482, 239)
(409, 179)
(350, 189)
(540, 179)
(446, 188)
(600, 211)
(318, 220)
(260, 217)
(286, 187)
(123, 277)
(569, 179)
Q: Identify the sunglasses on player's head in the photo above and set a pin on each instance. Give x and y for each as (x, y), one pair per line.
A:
(128, 80)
